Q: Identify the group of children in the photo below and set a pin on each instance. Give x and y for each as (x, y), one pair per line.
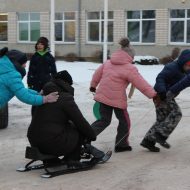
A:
(59, 128)
(111, 80)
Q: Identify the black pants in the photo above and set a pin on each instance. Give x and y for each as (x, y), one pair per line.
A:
(123, 128)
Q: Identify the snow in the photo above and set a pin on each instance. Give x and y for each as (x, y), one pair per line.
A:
(138, 169)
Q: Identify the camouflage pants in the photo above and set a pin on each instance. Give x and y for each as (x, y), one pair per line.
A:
(168, 115)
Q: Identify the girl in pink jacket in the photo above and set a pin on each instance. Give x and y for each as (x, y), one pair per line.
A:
(112, 79)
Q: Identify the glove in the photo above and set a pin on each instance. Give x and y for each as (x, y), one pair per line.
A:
(162, 95)
(92, 89)
(50, 98)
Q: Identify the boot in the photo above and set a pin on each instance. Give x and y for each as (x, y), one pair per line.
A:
(122, 149)
(149, 145)
(162, 140)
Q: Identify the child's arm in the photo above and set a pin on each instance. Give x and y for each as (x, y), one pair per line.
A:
(181, 85)
(97, 77)
(140, 83)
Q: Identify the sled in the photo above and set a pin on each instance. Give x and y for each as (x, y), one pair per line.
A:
(52, 170)
(56, 169)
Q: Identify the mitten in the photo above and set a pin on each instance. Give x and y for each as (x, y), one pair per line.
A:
(92, 89)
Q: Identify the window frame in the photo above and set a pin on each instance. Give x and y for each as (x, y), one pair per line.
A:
(185, 19)
(29, 21)
(140, 20)
(7, 27)
(63, 27)
(99, 21)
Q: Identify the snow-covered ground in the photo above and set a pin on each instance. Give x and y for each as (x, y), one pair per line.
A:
(136, 170)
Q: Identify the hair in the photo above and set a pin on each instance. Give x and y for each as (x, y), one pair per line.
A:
(3, 51)
(124, 42)
(44, 41)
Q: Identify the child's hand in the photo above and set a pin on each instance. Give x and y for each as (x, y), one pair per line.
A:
(162, 95)
(92, 89)
(157, 100)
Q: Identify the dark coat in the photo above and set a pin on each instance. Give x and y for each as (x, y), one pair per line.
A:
(56, 128)
(181, 85)
(41, 68)
(170, 75)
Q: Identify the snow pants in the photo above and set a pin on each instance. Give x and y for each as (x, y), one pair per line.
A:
(123, 128)
(168, 115)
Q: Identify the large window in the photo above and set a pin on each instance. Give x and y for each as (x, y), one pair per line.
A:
(65, 27)
(95, 27)
(3, 27)
(141, 26)
(28, 27)
(180, 26)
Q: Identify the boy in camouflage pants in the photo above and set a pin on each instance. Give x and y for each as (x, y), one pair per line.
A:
(169, 82)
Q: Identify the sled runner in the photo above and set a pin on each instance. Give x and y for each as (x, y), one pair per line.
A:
(61, 168)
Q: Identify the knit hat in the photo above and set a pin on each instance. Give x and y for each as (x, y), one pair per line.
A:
(44, 41)
(17, 56)
(184, 57)
(65, 76)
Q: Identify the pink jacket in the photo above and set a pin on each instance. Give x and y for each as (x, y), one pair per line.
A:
(113, 77)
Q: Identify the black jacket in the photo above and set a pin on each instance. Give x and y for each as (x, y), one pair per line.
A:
(51, 127)
(41, 68)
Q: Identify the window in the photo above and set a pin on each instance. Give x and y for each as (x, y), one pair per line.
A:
(180, 26)
(3, 27)
(141, 26)
(95, 27)
(65, 27)
(29, 27)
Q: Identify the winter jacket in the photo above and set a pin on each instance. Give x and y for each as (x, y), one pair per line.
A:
(42, 67)
(181, 85)
(51, 128)
(11, 85)
(113, 77)
(171, 74)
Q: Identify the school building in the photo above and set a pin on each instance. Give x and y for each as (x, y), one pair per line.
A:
(154, 27)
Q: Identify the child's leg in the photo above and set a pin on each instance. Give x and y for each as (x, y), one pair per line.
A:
(161, 114)
(172, 120)
(105, 120)
(123, 129)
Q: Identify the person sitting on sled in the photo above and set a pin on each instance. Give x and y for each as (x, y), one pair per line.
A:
(169, 82)
(59, 128)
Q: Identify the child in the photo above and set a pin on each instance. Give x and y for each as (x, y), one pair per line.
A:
(112, 79)
(42, 66)
(168, 113)
(12, 71)
(59, 128)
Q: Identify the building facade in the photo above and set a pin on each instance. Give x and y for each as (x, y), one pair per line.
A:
(154, 27)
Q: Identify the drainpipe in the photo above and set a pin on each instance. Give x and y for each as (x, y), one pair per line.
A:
(52, 29)
(79, 28)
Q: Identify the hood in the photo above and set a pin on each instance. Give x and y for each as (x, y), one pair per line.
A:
(58, 85)
(6, 65)
(121, 57)
(184, 57)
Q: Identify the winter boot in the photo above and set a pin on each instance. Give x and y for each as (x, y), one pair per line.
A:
(149, 145)
(162, 140)
(122, 149)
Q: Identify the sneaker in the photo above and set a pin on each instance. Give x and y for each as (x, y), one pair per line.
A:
(162, 140)
(150, 146)
(123, 149)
